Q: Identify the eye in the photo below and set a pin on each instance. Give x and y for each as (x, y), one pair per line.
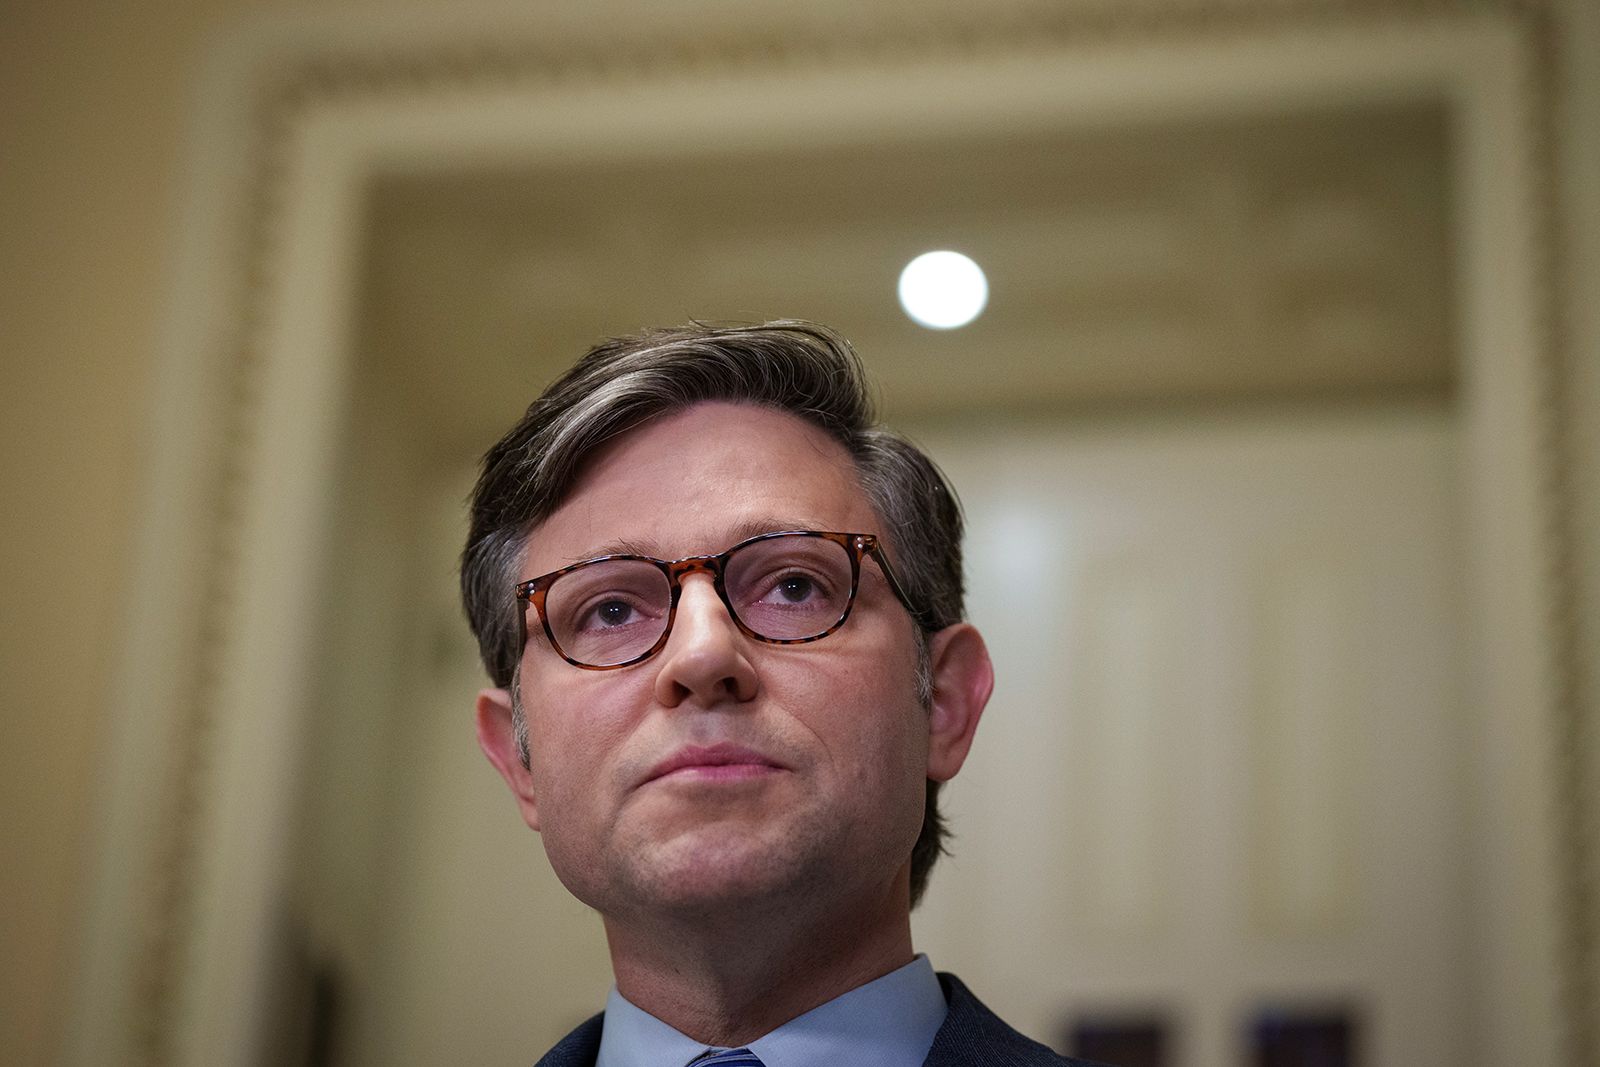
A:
(789, 587)
(607, 612)
(613, 613)
(795, 588)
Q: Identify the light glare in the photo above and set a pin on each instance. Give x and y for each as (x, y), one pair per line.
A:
(943, 290)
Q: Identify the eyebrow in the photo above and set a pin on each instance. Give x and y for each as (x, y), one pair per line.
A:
(740, 531)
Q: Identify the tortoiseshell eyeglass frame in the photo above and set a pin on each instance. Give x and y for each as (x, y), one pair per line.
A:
(857, 545)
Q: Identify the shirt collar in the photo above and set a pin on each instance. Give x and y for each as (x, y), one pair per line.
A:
(889, 1022)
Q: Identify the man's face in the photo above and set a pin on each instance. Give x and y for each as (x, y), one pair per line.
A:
(826, 792)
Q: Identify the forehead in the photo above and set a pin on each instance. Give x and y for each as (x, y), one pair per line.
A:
(698, 480)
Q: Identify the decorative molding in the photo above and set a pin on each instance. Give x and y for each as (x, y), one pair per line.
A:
(1571, 729)
(320, 79)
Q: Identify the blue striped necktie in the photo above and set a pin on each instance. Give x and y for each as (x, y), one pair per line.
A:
(734, 1057)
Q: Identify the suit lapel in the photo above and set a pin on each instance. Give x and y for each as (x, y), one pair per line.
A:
(577, 1049)
(974, 1036)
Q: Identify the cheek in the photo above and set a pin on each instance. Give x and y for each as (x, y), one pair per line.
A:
(870, 722)
(881, 684)
(894, 729)
(573, 728)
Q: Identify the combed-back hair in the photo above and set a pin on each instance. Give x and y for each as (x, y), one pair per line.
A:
(798, 367)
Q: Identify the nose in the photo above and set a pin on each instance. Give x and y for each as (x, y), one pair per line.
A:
(706, 660)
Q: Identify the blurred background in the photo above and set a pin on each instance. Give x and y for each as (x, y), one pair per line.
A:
(1224, 431)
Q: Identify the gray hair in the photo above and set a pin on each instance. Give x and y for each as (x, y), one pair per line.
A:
(801, 368)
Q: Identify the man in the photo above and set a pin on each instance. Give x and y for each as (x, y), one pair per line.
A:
(722, 611)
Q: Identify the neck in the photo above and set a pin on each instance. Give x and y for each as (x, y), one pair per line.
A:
(727, 979)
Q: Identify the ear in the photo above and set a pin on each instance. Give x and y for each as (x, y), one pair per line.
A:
(497, 736)
(963, 678)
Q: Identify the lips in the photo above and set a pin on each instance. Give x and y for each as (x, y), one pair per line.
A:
(721, 762)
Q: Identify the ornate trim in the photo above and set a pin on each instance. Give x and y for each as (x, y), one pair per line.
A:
(452, 65)
(1578, 904)
(176, 862)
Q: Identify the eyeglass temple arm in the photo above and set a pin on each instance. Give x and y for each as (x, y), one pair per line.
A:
(922, 618)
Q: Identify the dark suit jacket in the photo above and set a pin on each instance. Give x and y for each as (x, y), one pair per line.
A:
(972, 1036)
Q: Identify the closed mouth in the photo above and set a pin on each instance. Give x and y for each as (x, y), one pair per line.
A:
(720, 762)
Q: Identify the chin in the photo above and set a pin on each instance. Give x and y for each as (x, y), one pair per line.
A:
(712, 870)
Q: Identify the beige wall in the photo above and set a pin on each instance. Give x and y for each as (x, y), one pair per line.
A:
(89, 134)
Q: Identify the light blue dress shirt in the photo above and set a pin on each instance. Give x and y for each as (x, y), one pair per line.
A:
(889, 1022)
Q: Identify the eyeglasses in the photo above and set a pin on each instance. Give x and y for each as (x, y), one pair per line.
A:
(783, 588)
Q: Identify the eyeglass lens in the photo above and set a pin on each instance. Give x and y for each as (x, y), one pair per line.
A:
(781, 588)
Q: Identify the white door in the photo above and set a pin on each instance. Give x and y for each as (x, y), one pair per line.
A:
(1222, 772)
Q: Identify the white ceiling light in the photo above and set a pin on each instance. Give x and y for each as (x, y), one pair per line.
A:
(943, 290)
